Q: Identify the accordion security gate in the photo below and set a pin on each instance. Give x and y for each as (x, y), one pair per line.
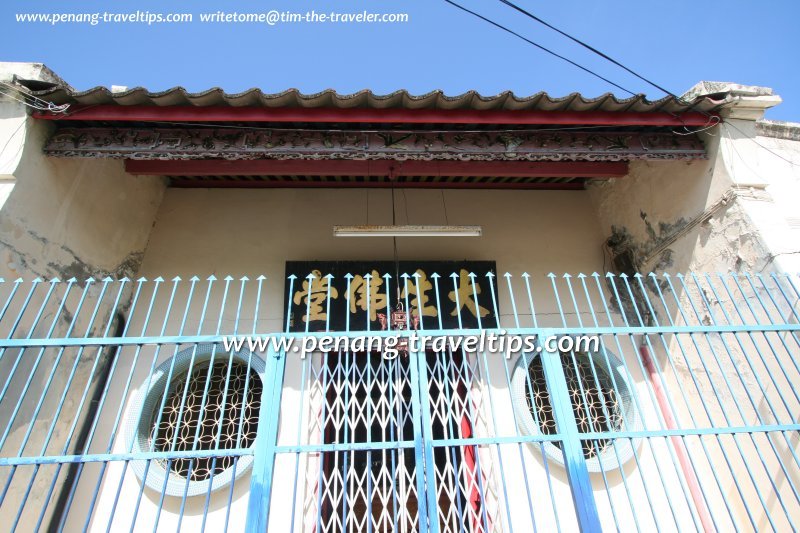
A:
(684, 415)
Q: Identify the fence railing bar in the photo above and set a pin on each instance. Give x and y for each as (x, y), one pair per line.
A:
(167, 314)
(468, 375)
(111, 317)
(190, 467)
(348, 459)
(513, 411)
(786, 347)
(615, 386)
(76, 418)
(240, 429)
(42, 396)
(228, 279)
(218, 338)
(30, 374)
(732, 395)
(447, 408)
(699, 506)
(776, 385)
(757, 410)
(157, 286)
(99, 411)
(258, 508)
(116, 457)
(31, 331)
(597, 383)
(396, 445)
(739, 402)
(306, 370)
(704, 405)
(763, 361)
(702, 507)
(9, 298)
(489, 386)
(235, 466)
(635, 393)
(653, 402)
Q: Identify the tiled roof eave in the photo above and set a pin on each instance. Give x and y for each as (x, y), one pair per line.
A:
(505, 101)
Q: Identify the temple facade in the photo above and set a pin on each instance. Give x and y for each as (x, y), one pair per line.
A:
(396, 312)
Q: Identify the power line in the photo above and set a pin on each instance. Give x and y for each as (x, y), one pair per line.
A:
(746, 136)
(588, 47)
(38, 104)
(713, 120)
(615, 62)
(711, 117)
(537, 45)
(220, 126)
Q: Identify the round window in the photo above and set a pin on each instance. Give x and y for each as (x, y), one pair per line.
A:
(197, 411)
(600, 398)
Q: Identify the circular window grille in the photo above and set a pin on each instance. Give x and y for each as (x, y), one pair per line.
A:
(187, 422)
(600, 398)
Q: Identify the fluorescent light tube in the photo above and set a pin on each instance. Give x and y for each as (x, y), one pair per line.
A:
(407, 231)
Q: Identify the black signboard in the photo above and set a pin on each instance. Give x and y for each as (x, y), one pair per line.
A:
(345, 295)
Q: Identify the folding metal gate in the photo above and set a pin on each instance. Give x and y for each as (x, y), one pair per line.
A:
(683, 416)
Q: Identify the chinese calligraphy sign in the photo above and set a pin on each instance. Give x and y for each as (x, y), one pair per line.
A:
(359, 296)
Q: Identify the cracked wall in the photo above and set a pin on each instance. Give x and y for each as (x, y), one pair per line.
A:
(65, 217)
(64, 221)
(730, 214)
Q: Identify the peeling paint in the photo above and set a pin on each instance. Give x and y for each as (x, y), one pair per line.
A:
(24, 264)
(81, 271)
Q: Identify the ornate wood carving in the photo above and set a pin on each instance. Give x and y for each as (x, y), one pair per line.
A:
(231, 143)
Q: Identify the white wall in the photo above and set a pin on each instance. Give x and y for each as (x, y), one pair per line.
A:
(238, 232)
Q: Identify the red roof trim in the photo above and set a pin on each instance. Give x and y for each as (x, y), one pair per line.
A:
(188, 183)
(300, 167)
(355, 115)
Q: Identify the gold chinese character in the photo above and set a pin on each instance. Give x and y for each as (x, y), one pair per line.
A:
(358, 294)
(318, 295)
(424, 287)
(466, 296)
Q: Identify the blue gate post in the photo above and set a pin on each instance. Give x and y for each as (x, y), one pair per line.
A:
(571, 445)
(266, 441)
(423, 383)
(416, 362)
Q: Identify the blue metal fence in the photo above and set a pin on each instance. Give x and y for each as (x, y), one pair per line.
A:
(120, 409)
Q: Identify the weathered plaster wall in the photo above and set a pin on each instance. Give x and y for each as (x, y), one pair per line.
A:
(69, 217)
(770, 168)
(70, 220)
(655, 200)
(735, 213)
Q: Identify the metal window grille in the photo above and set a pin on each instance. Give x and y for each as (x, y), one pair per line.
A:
(595, 402)
(187, 424)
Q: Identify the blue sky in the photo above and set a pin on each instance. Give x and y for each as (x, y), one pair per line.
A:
(674, 43)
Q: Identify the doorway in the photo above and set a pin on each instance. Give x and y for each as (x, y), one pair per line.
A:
(374, 487)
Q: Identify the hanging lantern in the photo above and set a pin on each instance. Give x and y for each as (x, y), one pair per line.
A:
(399, 320)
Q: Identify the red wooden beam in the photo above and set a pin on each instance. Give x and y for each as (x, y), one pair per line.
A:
(263, 167)
(138, 113)
(185, 183)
